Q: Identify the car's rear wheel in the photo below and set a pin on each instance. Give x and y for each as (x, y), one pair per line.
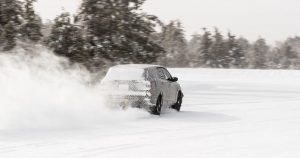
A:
(177, 105)
(157, 109)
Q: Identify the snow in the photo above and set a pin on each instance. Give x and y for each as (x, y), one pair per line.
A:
(226, 114)
(137, 66)
(128, 74)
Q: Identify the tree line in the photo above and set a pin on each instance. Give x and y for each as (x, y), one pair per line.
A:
(213, 49)
(109, 32)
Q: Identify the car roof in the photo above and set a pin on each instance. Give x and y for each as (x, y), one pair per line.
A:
(136, 66)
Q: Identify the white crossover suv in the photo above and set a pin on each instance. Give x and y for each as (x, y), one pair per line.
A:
(149, 87)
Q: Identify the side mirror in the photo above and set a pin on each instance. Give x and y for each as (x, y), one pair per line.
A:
(174, 79)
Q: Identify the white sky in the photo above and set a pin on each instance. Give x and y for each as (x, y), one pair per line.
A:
(271, 19)
(49, 9)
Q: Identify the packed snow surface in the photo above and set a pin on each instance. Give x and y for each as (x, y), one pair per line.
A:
(225, 114)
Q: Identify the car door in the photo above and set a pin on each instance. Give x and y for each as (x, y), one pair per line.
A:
(164, 85)
(172, 88)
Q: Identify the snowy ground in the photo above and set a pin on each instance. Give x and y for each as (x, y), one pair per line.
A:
(226, 114)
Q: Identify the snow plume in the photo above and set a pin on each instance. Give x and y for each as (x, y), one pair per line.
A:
(39, 90)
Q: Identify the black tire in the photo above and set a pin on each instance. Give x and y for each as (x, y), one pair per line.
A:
(177, 105)
(157, 109)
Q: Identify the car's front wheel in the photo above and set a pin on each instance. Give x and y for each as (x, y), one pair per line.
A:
(177, 105)
(157, 109)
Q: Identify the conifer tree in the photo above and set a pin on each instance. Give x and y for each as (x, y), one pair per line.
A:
(9, 36)
(217, 52)
(193, 48)
(205, 57)
(275, 58)
(174, 43)
(236, 55)
(289, 56)
(245, 47)
(66, 39)
(259, 52)
(31, 29)
(10, 20)
(118, 31)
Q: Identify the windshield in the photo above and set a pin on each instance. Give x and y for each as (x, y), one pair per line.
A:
(114, 74)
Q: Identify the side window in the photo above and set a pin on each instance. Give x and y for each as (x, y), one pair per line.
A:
(161, 74)
(167, 74)
(151, 74)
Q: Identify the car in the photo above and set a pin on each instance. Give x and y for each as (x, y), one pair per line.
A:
(150, 87)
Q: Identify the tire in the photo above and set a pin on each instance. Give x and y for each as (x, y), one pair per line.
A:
(157, 109)
(177, 105)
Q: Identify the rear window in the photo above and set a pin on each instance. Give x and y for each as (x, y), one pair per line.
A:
(114, 74)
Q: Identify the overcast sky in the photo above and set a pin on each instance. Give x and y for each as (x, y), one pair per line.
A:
(271, 19)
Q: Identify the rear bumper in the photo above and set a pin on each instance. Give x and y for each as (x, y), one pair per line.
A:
(130, 100)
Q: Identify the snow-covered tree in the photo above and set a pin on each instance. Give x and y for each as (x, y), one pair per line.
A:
(173, 41)
(193, 50)
(218, 53)
(258, 54)
(244, 46)
(275, 58)
(9, 36)
(235, 52)
(205, 58)
(10, 20)
(31, 28)
(66, 39)
(290, 52)
(117, 30)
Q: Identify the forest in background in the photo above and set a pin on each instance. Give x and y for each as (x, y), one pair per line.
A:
(109, 32)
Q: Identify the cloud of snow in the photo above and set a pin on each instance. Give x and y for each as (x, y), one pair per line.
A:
(39, 90)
